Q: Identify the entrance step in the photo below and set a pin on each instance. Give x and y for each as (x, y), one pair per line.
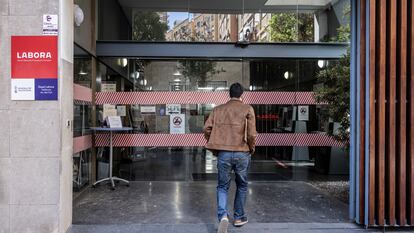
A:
(212, 228)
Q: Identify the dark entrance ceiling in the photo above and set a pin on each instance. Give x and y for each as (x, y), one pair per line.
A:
(225, 6)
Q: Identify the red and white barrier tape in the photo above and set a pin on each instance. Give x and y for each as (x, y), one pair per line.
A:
(82, 94)
(82, 143)
(282, 98)
(183, 140)
(81, 102)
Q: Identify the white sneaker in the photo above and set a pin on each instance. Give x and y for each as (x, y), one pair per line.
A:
(240, 222)
(223, 225)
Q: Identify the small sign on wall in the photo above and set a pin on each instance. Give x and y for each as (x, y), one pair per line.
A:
(148, 109)
(109, 110)
(108, 87)
(303, 113)
(177, 124)
(173, 109)
(121, 109)
(50, 25)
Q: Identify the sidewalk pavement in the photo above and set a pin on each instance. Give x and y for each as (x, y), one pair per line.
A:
(248, 228)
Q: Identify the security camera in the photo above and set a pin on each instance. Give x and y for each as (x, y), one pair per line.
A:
(246, 34)
(244, 37)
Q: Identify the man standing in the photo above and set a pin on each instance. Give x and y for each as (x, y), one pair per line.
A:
(231, 134)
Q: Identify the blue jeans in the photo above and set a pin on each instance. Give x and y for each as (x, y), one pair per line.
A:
(226, 162)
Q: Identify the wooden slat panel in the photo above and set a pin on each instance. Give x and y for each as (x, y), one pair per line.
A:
(372, 125)
(392, 111)
(401, 166)
(362, 80)
(411, 144)
(381, 112)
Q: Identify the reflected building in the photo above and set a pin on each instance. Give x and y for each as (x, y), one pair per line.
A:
(316, 23)
(181, 31)
(163, 17)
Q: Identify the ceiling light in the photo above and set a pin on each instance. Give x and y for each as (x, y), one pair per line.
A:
(177, 73)
(81, 72)
(124, 62)
(287, 75)
(78, 15)
(321, 63)
(143, 82)
(135, 75)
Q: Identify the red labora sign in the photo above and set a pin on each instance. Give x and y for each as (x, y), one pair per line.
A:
(34, 67)
(34, 57)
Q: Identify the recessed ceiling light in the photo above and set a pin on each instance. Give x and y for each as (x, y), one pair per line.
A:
(82, 72)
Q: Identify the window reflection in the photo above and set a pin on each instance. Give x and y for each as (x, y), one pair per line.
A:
(211, 76)
(81, 110)
(293, 75)
(232, 21)
(82, 118)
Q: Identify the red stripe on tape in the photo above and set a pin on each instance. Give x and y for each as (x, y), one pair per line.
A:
(82, 93)
(282, 98)
(82, 143)
(183, 140)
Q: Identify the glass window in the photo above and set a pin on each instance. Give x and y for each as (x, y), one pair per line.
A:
(237, 20)
(270, 75)
(82, 118)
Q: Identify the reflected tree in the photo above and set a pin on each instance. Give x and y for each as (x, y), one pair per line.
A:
(198, 72)
(336, 93)
(148, 27)
(336, 80)
(291, 27)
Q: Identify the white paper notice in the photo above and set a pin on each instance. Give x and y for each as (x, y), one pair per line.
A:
(177, 124)
(114, 122)
(173, 109)
(109, 110)
(303, 113)
(108, 87)
(50, 25)
(121, 110)
(148, 109)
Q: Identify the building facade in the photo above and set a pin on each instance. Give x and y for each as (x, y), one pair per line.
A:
(49, 155)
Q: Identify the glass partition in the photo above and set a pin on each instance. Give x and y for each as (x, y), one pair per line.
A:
(288, 78)
(82, 111)
(82, 117)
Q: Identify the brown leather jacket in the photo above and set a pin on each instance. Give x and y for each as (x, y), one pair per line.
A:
(231, 127)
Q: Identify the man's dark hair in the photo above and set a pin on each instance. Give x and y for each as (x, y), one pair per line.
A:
(236, 90)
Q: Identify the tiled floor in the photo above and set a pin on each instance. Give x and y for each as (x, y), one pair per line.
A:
(189, 207)
(194, 202)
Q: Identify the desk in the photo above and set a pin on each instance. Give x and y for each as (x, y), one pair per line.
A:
(111, 178)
